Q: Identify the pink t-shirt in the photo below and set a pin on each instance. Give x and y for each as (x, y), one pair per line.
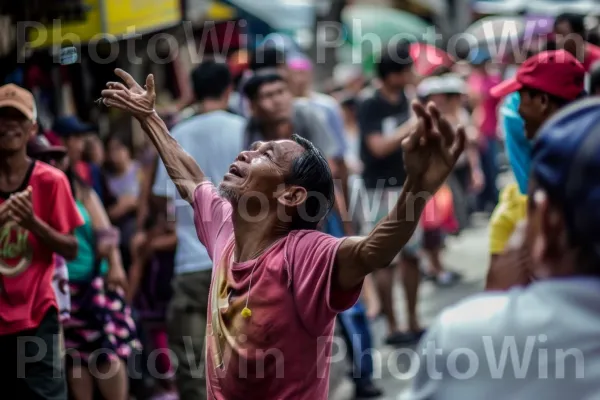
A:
(281, 351)
(592, 56)
(482, 84)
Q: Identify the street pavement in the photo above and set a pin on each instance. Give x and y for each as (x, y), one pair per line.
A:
(466, 254)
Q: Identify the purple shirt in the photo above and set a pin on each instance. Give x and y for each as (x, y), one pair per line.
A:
(126, 184)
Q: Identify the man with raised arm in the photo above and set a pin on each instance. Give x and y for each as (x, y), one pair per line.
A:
(278, 283)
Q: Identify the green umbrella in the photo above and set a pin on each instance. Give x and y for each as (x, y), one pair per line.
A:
(370, 28)
(386, 23)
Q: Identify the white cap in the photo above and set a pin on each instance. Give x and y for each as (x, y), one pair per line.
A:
(445, 84)
(345, 73)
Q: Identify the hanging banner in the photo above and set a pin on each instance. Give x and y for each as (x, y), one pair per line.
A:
(123, 16)
(107, 19)
(64, 33)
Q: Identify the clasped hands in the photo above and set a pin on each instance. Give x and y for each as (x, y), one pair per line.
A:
(18, 209)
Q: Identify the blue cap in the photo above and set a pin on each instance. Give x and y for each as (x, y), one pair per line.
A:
(71, 126)
(566, 163)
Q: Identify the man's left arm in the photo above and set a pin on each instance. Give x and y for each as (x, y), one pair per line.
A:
(431, 150)
(359, 256)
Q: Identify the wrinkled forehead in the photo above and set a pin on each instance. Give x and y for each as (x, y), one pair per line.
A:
(284, 151)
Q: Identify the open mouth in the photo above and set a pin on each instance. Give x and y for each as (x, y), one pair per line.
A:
(235, 171)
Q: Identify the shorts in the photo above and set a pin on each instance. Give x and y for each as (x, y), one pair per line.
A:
(379, 203)
(31, 363)
(433, 239)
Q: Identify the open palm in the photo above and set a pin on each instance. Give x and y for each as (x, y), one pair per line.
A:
(432, 148)
(130, 97)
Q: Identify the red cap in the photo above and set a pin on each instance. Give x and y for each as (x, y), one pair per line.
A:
(554, 72)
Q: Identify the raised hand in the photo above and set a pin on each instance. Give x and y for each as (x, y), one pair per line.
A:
(432, 148)
(130, 97)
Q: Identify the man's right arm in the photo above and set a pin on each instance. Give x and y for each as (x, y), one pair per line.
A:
(379, 145)
(183, 170)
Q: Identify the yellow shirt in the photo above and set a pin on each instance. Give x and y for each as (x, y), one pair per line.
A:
(511, 209)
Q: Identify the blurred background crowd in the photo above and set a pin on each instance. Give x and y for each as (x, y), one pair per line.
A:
(246, 70)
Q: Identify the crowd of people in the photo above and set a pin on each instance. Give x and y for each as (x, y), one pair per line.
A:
(254, 219)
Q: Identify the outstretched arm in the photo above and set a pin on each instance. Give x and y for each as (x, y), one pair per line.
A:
(430, 153)
(181, 167)
(139, 102)
(359, 256)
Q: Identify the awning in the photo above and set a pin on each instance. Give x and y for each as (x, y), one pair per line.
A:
(110, 19)
(295, 18)
(281, 15)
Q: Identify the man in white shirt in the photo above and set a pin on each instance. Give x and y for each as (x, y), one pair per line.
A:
(214, 139)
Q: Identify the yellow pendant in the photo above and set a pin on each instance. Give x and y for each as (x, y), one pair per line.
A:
(246, 312)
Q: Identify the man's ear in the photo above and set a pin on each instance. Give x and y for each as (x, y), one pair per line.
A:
(555, 230)
(293, 196)
(552, 231)
(548, 108)
(33, 130)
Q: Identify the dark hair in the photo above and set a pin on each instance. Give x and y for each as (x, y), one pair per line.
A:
(267, 57)
(349, 101)
(550, 45)
(310, 170)
(124, 139)
(395, 59)
(588, 254)
(76, 181)
(253, 85)
(210, 80)
(576, 22)
(593, 37)
(595, 79)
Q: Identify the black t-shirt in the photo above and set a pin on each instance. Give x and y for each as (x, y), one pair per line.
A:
(377, 116)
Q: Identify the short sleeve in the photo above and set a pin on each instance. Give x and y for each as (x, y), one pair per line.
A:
(66, 218)
(367, 123)
(310, 259)
(212, 216)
